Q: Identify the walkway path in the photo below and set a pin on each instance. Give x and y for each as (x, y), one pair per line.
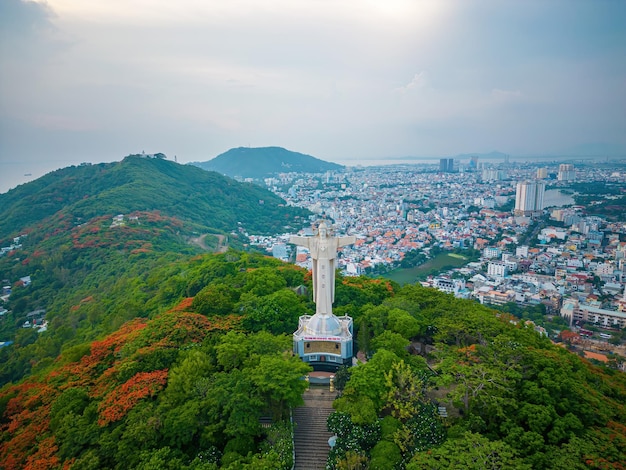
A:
(310, 433)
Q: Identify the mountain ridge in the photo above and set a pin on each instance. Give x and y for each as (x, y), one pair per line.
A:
(262, 162)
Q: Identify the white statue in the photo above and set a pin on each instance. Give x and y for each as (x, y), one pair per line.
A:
(323, 248)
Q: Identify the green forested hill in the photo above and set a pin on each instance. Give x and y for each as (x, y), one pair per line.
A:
(186, 388)
(77, 255)
(262, 162)
(138, 183)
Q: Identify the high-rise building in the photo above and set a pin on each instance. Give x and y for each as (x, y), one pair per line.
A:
(446, 165)
(473, 164)
(529, 197)
(492, 175)
(542, 173)
(566, 172)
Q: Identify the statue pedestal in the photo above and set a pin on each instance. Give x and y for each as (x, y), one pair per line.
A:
(324, 341)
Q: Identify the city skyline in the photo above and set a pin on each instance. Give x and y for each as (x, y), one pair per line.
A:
(15, 173)
(349, 82)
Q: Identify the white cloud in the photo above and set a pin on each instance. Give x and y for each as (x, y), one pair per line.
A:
(420, 80)
(327, 77)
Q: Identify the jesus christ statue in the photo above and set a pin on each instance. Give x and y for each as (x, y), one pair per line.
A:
(323, 248)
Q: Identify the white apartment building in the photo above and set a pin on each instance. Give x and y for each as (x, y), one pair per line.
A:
(529, 197)
(492, 252)
(450, 286)
(573, 311)
(521, 251)
(492, 175)
(566, 172)
(487, 296)
(604, 269)
(497, 269)
(552, 232)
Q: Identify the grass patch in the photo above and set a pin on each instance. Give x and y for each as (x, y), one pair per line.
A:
(441, 262)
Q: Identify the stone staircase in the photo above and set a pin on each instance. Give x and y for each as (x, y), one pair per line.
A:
(310, 432)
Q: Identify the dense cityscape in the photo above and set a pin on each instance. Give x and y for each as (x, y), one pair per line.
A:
(515, 228)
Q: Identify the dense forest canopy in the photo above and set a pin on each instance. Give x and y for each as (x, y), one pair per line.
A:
(186, 387)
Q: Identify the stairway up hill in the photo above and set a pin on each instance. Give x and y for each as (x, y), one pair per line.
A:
(310, 432)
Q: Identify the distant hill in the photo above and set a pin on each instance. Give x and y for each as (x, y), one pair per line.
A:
(263, 162)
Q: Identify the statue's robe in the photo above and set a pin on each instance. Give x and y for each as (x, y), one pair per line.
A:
(323, 252)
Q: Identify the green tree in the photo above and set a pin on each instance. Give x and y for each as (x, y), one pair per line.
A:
(141, 432)
(360, 408)
(402, 322)
(393, 342)
(365, 391)
(215, 299)
(405, 391)
(279, 381)
(186, 380)
(264, 281)
(386, 455)
(472, 382)
(470, 451)
(277, 312)
(240, 408)
(161, 459)
(232, 351)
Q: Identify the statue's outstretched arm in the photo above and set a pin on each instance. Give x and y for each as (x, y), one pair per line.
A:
(344, 241)
(301, 241)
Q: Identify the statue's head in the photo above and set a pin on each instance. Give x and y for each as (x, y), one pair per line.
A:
(322, 230)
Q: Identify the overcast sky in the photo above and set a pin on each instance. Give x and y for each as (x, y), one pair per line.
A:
(342, 80)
